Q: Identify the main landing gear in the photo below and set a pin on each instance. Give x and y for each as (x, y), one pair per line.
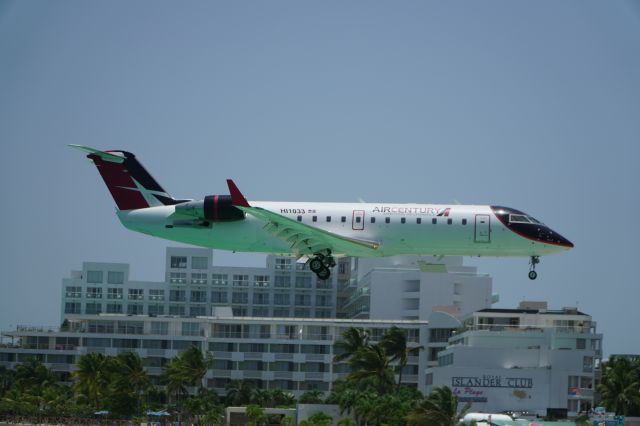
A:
(532, 267)
(321, 265)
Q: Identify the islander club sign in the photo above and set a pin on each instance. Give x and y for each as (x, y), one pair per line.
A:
(492, 381)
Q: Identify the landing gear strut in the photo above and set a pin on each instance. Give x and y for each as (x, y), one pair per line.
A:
(532, 267)
(321, 265)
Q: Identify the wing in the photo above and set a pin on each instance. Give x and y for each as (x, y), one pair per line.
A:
(304, 239)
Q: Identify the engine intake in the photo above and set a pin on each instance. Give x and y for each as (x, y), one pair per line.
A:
(214, 208)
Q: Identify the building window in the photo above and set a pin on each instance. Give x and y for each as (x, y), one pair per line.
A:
(429, 379)
(190, 329)
(198, 262)
(240, 297)
(155, 294)
(134, 309)
(387, 220)
(94, 277)
(302, 313)
(281, 299)
(73, 292)
(72, 308)
(440, 335)
(114, 293)
(199, 278)
(302, 300)
(581, 343)
(282, 281)
(280, 313)
(239, 311)
(177, 310)
(136, 294)
(283, 263)
(199, 296)
(260, 312)
(114, 308)
(261, 281)
(218, 297)
(197, 311)
(115, 277)
(177, 295)
(342, 267)
(155, 310)
(323, 313)
(260, 298)
(323, 285)
(93, 308)
(178, 262)
(303, 281)
(178, 277)
(322, 300)
(241, 280)
(219, 279)
(94, 293)
(160, 328)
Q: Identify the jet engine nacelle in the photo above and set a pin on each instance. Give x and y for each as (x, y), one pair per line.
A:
(214, 208)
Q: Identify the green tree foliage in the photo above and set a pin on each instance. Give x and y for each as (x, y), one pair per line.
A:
(394, 342)
(256, 415)
(320, 419)
(311, 397)
(371, 366)
(353, 340)
(239, 393)
(92, 378)
(620, 386)
(186, 370)
(440, 408)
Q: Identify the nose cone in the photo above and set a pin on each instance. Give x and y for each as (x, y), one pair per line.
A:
(549, 236)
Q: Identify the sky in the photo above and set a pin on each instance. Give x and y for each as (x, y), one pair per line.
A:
(532, 105)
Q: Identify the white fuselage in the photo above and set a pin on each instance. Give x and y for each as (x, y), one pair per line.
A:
(400, 229)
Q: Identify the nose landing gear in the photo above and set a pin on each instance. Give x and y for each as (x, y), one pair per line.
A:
(532, 267)
(321, 265)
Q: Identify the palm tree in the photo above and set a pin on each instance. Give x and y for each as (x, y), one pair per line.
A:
(239, 392)
(620, 385)
(394, 341)
(187, 370)
(372, 363)
(440, 408)
(311, 397)
(130, 376)
(91, 377)
(353, 339)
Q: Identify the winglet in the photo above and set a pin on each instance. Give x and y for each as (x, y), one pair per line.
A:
(236, 196)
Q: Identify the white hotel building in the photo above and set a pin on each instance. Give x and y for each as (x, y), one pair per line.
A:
(528, 359)
(276, 325)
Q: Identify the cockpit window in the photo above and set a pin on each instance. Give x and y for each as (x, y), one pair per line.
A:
(518, 218)
(534, 220)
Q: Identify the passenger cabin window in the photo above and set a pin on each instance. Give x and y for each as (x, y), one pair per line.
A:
(343, 219)
(403, 220)
(418, 220)
(449, 221)
(314, 218)
(358, 219)
(464, 221)
(373, 219)
(299, 218)
(434, 220)
(387, 219)
(328, 218)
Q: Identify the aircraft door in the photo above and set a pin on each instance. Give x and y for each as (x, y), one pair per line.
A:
(483, 228)
(357, 221)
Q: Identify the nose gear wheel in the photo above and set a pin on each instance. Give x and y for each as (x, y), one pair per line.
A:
(532, 267)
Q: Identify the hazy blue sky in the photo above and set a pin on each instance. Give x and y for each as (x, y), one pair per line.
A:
(534, 105)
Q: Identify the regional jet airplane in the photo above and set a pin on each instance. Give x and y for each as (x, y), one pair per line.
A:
(318, 232)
